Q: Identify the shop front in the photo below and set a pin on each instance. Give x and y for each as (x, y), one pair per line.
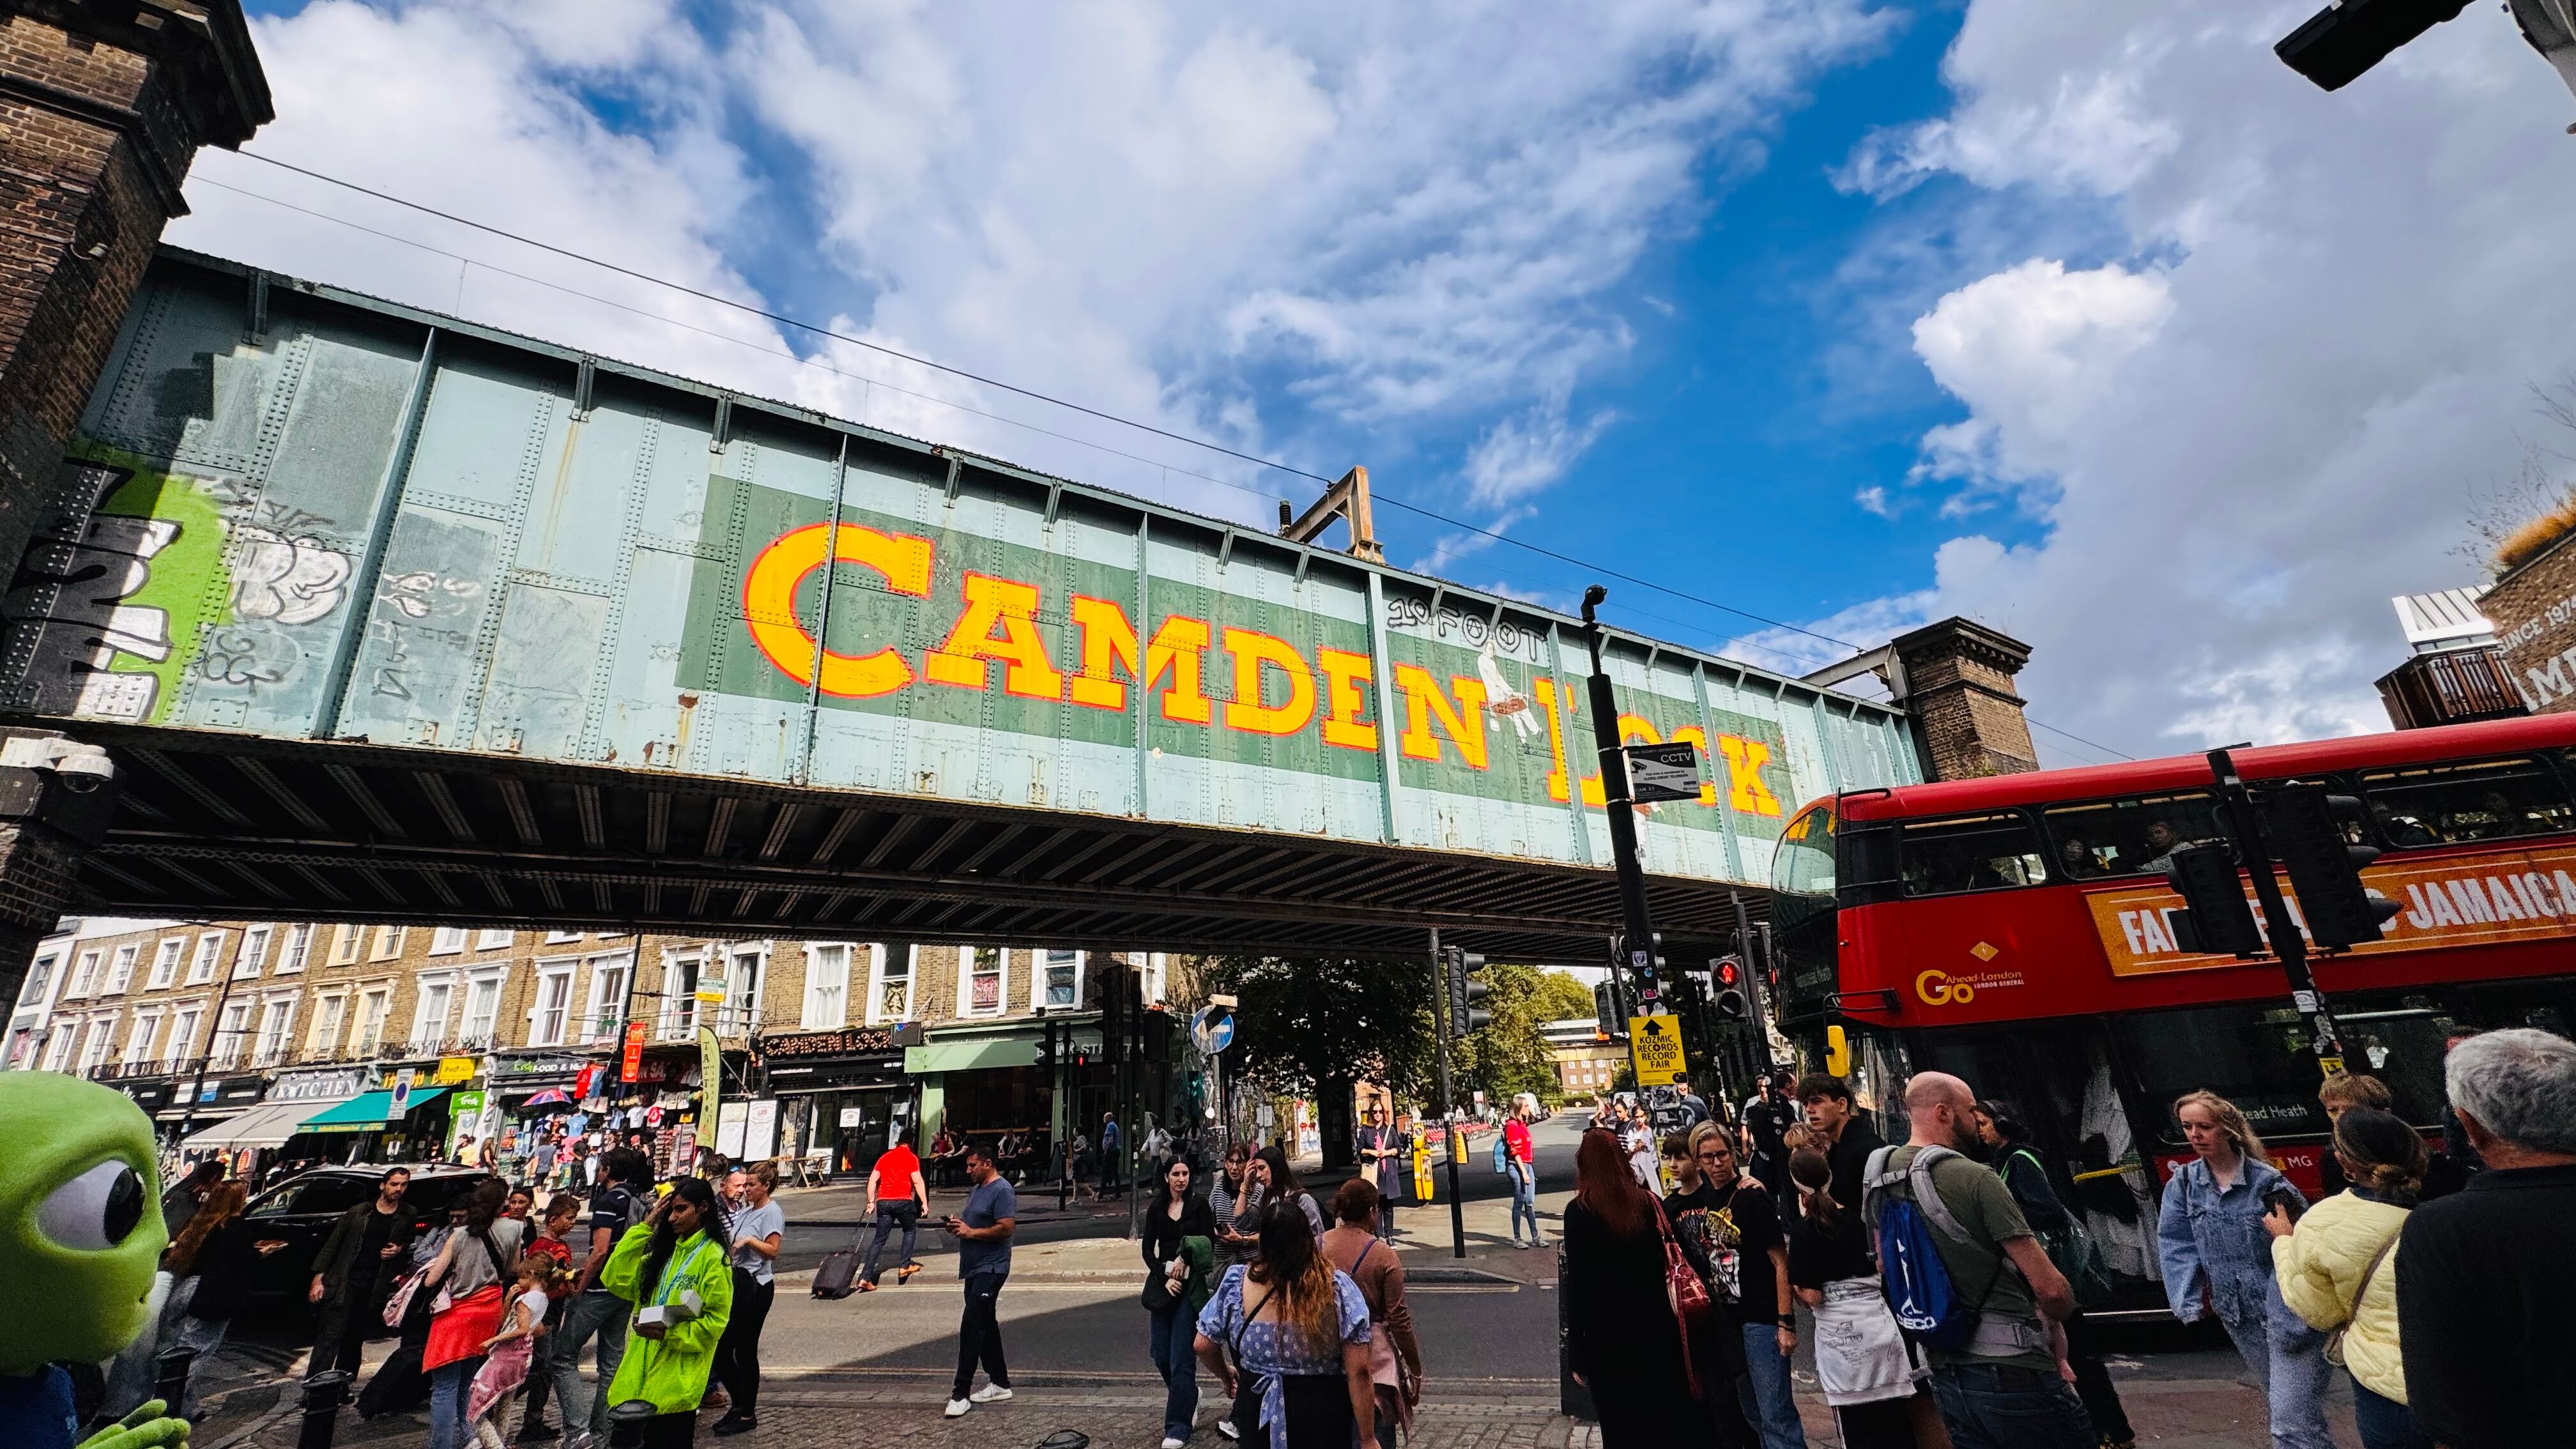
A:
(386, 1125)
(196, 1104)
(840, 1096)
(983, 1082)
(534, 1096)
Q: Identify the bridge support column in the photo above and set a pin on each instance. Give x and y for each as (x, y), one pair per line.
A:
(102, 108)
(55, 800)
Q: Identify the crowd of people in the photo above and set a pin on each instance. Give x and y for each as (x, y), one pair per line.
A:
(1946, 1278)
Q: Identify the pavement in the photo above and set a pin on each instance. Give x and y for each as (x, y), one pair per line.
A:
(873, 1369)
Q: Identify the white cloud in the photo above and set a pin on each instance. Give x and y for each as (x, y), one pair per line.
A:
(1528, 452)
(1317, 229)
(2245, 434)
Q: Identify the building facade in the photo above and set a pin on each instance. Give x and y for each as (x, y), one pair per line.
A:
(291, 1037)
(1587, 1061)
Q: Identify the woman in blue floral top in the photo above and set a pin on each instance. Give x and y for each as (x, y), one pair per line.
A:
(1301, 1343)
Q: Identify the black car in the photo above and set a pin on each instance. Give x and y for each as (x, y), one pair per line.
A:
(301, 1212)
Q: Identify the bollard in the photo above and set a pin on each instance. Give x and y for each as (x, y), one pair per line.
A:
(626, 1423)
(324, 1393)
(170, 1377)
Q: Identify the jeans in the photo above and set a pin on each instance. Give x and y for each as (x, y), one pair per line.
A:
(2006, 1406)
(2386, 1423)
(1524, 1199)
(1175, 1349)
(585, 1314)
(979, 1335)
(737, 1364)
(2288, 1362)
(1764, 1391)
(891, 1215)
(447, 1388)
(200, 1336)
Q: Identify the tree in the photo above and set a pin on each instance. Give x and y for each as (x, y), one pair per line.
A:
(1561, 997)
(1511, 1054)
(1309, 1024)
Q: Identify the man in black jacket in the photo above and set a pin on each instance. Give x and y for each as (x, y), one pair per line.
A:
(1842, 1134)
(2485, 1276)
(349, 1278)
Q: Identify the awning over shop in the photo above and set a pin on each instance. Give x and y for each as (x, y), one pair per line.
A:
(969, 1056)
(367, 1113)
(267, 1125)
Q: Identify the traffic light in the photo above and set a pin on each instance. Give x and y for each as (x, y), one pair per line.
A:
(1115, 997)
(1610, 1013)
(1727, 974)
(2324, 866)
(1158, 1035)
(2347, 38)
(1046, 1054)
(1465, 991)
(2216, 917)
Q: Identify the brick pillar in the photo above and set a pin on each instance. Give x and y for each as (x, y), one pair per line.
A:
(56, 797)
(1958, 680)
(103, 105)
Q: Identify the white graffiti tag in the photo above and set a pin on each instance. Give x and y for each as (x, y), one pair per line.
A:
(67, 618)
(289, 580)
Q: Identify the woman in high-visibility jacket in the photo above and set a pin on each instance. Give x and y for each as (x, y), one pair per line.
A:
(678, 1250)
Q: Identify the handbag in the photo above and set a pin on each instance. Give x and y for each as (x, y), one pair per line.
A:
(2334, 1340)
(1684, 1291)
(1158, 1288)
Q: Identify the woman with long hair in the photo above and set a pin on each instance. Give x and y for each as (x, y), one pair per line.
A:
(1179, 1262)
(1298, 1329)
(2336, 1269)
(1622, 1339)
(1279, 1188)
(1395, 1353)
(1863, 1362)
(660, 1264)
(1232, 1200)
(2217, 1262)
(213, 1265)
(472, 1269)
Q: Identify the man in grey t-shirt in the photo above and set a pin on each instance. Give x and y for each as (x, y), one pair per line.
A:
(983, 1234)
(2006, 1389)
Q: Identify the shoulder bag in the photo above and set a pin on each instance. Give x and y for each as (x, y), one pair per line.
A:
(2334, 1340)
(1684, 1290)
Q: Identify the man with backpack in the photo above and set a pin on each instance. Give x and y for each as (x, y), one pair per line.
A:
(624, 1199)
(1970, 1282)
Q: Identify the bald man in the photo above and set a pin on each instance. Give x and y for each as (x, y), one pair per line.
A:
(2009, 1388)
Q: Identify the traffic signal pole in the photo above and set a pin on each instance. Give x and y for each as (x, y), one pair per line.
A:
(1448, 1112)
(2280, 930)
(1617, 803)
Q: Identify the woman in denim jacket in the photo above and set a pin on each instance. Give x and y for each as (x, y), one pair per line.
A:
(2217, 1258)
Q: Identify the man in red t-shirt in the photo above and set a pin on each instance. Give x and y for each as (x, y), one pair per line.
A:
(1523, 1166)
(897, 1170)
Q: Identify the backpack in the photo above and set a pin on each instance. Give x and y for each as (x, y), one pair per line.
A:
(1502, 1155)
(1927, 1304)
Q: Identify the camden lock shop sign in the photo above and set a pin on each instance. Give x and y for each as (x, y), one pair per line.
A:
(848, 1041)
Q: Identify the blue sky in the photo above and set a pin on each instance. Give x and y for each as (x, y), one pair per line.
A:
(2090, 322)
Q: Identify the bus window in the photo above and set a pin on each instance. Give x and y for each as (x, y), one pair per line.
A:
(2253, 1056)
(2123, 837)
(2457, 804)
(1969, 853)
(1804, 864)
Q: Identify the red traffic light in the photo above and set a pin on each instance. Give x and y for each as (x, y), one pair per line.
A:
(1727, 972)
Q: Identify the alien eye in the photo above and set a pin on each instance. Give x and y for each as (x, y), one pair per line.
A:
(94, 1211)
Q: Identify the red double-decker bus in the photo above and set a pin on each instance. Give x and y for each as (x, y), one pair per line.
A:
(2017, 931)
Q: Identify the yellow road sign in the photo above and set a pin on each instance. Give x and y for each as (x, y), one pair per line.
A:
(1658, 1043)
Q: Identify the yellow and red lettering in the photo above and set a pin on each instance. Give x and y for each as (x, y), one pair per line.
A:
(1011, 607)
(1744, 761)
(1109, 646)
(1253, 651)
(769, 604)
(1464, 722)
(1344, 673)
(1634, 729)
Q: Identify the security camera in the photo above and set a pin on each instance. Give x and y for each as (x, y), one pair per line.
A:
(83, 768)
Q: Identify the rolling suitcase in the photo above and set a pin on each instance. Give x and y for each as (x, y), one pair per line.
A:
(840, 1271)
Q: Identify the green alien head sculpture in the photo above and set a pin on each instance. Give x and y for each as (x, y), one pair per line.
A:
(80, 1220)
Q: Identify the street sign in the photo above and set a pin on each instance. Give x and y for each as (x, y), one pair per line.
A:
(1657, 1040)
(400, 1102)
(1212, 1030)
(1669, 771)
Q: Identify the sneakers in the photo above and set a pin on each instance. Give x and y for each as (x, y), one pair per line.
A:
(1171, 1443)
(1226, 1427)
(956, 1409)
(737, 1424)
(990, 1394)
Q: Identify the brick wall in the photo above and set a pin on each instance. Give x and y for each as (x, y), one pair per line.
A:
(1959, 684)
(2533, 608)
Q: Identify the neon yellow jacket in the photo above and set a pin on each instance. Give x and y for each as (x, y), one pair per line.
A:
(2320, 1268)
(670, 1373)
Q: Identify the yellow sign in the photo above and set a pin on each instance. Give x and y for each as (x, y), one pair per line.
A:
(1421, 1168)
(2513, 895)
(454, 1069)
(1657, 1041)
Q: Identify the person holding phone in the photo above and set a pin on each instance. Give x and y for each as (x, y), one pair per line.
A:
(983, 1234)
(2217, 1261)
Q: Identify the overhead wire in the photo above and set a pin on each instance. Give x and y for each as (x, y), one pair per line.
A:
(786, 320)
